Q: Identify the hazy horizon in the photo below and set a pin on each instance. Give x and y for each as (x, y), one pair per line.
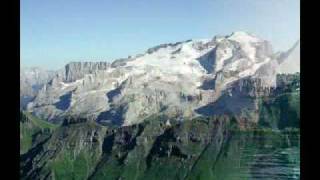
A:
(55, 33)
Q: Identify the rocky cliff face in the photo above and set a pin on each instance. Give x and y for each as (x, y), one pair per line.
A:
(77, 70)
(177, 79)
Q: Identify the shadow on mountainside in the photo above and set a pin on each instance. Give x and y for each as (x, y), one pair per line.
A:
(113, 93)
(227, 104)
(64, 102)
(113, 116)
(207, 61)
(208, 84)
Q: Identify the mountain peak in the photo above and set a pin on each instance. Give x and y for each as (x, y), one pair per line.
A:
(240, 33)
(241, 36)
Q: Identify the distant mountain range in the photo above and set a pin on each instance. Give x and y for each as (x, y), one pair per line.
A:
(31, 81)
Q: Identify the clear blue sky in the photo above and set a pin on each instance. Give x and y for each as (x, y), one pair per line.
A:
(56, 32)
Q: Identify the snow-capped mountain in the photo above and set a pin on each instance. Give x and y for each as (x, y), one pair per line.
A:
(178, 79)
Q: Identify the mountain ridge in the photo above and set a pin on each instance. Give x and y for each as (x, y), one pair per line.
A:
(169, 78)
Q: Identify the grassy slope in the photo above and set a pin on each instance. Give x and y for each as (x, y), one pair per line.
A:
(40, 123)
(30, 127)
(72, 152)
